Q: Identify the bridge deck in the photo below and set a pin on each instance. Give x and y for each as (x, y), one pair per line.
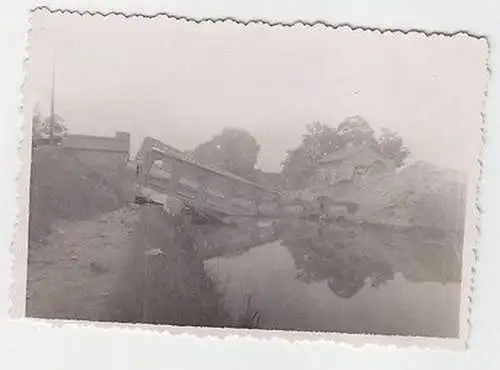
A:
(165, 172)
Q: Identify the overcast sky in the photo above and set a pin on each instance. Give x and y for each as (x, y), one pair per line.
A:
(183, 82)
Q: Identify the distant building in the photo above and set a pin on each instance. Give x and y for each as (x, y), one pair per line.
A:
(106, 156)
(351, 163)
(270, 180)
(119, 144)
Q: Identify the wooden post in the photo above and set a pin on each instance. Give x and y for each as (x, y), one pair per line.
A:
(255, 236)
(256, 201)
(322, 211)
(174, 179)
(201, 191)
(144, 164)
(228, 196)
(279, 205)
(52, 103)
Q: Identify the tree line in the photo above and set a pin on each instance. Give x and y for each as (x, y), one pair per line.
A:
(322, 140)
(236, 150)
(50, 129)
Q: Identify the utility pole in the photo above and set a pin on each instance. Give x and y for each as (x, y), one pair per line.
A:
(52, 98)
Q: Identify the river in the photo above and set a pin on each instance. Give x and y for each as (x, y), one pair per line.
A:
(344, 278)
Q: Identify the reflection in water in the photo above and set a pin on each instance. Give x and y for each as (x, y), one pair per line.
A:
(271, 274)
(343, 277)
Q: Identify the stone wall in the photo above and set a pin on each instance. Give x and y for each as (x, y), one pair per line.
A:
(105, 157)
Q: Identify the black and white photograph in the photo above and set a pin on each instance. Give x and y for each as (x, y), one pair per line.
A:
(222, 175)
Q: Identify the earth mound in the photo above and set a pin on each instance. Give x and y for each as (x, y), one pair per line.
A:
(64, 188)
(421, 194)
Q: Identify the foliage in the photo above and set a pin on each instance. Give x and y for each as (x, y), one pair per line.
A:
(46, 128)
(391, 144)
(300, 163)
(233, 149)
(296, 168)
(356, 130)
(321, 140)
(250, 319)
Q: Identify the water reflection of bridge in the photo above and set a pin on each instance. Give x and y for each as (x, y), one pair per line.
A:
(231, 241)
(345, 255)
(168, 279)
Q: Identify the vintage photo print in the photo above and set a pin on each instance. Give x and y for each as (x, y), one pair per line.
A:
(304, 180)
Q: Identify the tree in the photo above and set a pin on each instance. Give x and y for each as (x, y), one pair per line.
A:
(36, 122)
(320, 141)
(297, 168)
(392, 146)
(300, 163)
(48, 128)
(233, 149)
(356, 130)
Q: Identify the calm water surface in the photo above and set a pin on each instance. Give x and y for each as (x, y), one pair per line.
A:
(345, 278)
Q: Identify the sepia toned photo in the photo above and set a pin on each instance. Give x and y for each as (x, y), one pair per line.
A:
(220, 175)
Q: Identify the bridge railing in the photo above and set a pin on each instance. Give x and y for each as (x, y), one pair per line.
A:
(171, 173)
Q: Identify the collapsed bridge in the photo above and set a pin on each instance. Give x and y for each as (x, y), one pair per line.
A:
(163, 171)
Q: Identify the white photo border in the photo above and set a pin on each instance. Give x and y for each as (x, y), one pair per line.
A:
(415, 20)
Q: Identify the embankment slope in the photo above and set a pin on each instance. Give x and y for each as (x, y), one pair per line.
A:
(63, 188)
(421, 194)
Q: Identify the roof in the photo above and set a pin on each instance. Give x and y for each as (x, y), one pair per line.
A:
(363, 150)
(165, 149)
(97, 143)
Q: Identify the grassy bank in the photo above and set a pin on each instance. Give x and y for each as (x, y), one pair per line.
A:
(63, 188)
(165, 281)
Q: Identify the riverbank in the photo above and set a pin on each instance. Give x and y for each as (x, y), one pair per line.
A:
(420, 195)
(136, 264)
(74, 271)
(164, 280)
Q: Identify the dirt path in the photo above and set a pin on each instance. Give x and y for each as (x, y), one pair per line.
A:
(73, 274)
(133, 265)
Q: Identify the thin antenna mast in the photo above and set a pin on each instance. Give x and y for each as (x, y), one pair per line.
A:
(52, 99)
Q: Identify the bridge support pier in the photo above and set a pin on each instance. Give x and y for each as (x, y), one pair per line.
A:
(201, 191)
(174, 179)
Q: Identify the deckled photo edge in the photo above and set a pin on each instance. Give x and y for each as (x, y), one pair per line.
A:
(19, 244)
(476, 205)
(470, 252)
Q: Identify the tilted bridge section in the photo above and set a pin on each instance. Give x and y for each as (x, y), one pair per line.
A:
(163, 172)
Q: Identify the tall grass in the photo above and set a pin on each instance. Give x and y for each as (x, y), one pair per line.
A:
(250, 319)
